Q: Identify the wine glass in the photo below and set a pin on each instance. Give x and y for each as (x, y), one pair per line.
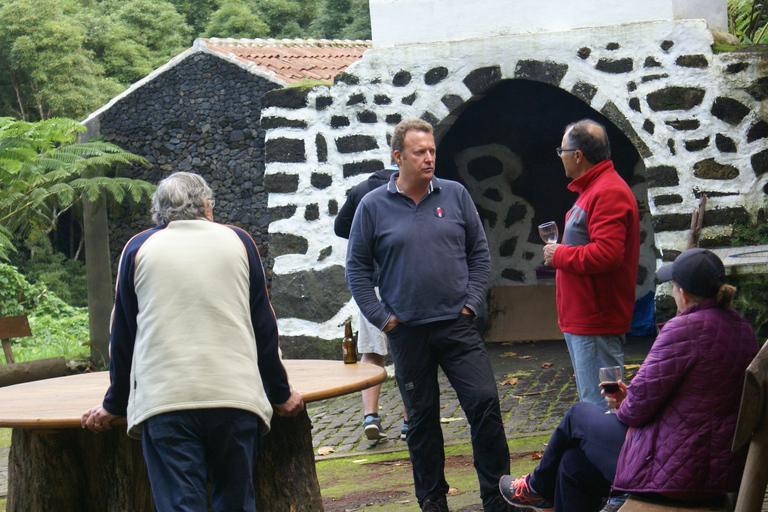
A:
(610, 376)
(548, 232)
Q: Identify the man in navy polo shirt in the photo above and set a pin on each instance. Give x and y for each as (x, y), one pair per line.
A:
(426, 236)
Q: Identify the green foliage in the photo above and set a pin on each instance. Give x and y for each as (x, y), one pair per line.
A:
(53, 270)
(196, 12)
(748, 20)
(342, 19)
(19, 297)
(130, 39)
(45, 171)
(55, 336)
(236, 19)
(749, 234)
(45, 69)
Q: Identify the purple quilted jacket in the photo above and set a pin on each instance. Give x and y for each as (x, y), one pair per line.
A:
(683, 404)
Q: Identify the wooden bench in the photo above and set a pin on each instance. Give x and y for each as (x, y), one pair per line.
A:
(752, 428)
(14, 373)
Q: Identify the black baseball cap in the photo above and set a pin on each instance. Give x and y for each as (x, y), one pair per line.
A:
(697, 271)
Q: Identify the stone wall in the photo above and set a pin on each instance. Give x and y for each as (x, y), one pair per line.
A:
(697, 121)
(199, 115)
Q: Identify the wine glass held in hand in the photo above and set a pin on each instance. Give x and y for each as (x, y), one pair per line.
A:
(548, 232)
(610, 377)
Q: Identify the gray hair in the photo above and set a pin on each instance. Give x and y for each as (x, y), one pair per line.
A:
(180, 196)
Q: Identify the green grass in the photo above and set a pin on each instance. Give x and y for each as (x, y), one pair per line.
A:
(387, 480)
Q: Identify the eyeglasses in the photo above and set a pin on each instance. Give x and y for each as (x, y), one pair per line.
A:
(560, 151)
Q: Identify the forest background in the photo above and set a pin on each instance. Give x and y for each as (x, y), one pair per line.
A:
(62, 59)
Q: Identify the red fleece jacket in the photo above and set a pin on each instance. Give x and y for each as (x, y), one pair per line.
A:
(597, 263)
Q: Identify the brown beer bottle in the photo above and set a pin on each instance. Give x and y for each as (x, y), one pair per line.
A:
(348, 348)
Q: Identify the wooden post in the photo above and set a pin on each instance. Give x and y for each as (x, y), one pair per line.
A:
(697, 220)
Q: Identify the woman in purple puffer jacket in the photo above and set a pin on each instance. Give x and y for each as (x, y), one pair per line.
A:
(674, 426)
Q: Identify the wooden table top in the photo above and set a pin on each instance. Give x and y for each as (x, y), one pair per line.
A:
(59, 403)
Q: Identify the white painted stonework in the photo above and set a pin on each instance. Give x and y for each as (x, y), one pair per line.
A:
(511, 53)
(397, 22)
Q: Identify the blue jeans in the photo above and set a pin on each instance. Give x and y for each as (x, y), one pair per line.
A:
(184, 449)
(588, 354)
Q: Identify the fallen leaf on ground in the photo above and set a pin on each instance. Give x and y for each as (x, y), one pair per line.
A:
(359, 461)
(524, 357)
(509, 382)
(508, 354)
(453, 490)
(631, 366)
(325, 450)
(448, 420)
(536, 455)
(546, 365)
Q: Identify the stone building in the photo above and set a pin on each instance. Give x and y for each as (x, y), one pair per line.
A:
(201, 112)
(499, 87)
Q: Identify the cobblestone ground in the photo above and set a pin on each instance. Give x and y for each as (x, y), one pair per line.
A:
(536, 403)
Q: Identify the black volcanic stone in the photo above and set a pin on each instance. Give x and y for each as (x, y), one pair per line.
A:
(736, 67)
(666, 199)
(675, 98)
(513, 275)
(683, 124)
(615, 66)
(666, 45)
(430, 118)
(321, 180)
(760, 162)
(323, 102)
(729, 110)
(356, 143)
(584, 53)
(696, 145)
(507, 247)
(692, 61)
(408, 100)
(662, 176)
(290, 97)
(671, 222)
(710, 169)
(649, 126)
(757, 131)
(651, 78)
(283, 212)
(367, 116)
(634, 104)
(281, 183)
(346, 78)
(382, 99)
(268, 123)
(393, 118)
(333, 207)
(286, 243)
(452, 101)
(479, 80)
(542, 71)
(401, 79)
(312, 212)
(314, 295)
(364, 167)
(356, 99)
(493, 194)
(612, 46)
(725, 144)
(584, 91)
(651, 62)
(339, 121)
(435, 75)
(515, 214)
(759, 89)
(322, 148)
(285, 150)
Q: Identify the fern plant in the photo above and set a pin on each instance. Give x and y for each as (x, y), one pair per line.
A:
(45, 171)
(748, 20)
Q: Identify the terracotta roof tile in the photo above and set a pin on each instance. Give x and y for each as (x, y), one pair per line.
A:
(294, 59)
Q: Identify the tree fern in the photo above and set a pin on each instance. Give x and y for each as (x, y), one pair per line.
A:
(748, 20)
(44, 171)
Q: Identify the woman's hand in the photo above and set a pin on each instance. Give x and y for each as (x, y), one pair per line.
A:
(614, 399)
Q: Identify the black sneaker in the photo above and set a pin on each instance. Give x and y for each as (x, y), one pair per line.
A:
(438, 505)
(372, 427)
(404, 430)
(517, 493)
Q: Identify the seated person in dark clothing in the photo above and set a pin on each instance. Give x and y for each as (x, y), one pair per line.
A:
(673, 429)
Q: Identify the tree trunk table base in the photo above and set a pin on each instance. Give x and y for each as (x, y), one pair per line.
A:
(56, 466)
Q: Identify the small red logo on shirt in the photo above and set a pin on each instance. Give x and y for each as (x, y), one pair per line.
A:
(439, 212)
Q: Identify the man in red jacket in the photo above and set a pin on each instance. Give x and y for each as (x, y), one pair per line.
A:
(597, 260)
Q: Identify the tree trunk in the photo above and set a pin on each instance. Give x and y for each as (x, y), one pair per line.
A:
(33, 370)
(285, 477)
(77, 470)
